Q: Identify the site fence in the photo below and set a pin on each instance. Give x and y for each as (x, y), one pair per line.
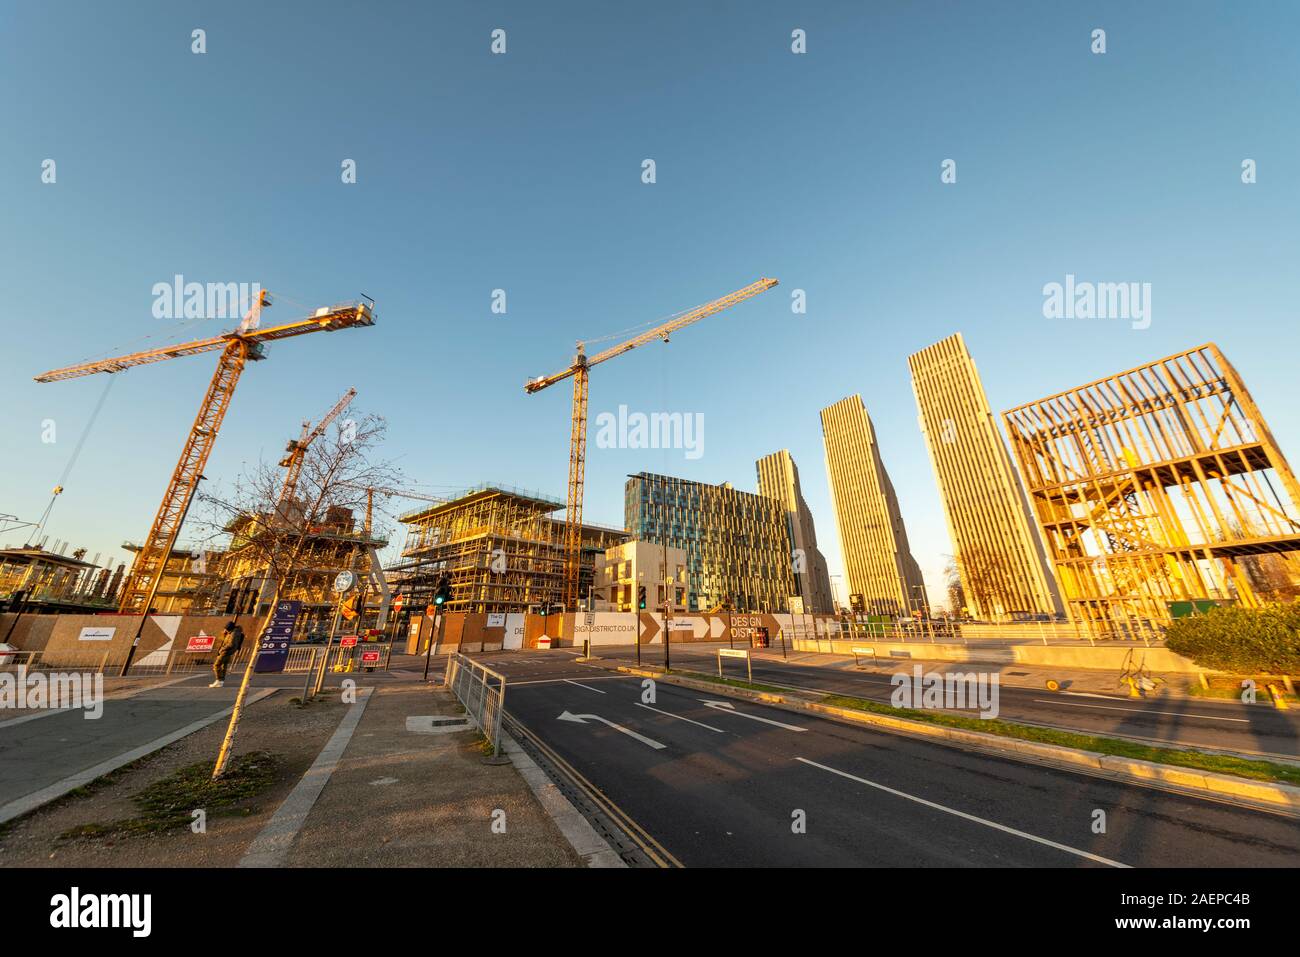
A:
(482, 691)
(302, 658)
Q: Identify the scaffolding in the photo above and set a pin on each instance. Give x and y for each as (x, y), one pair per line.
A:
(1156, 486)
(502, 549)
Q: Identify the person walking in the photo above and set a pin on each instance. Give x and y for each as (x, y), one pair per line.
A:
(232, 640)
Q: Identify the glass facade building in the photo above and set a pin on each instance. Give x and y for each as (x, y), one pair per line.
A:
(737, 543)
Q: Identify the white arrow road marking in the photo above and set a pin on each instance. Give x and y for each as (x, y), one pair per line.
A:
(582, 719)
(680, 718)
(729, 708)
(581, 685)
(969, 817)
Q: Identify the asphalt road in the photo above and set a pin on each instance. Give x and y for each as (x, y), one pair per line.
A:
(725, 786)
(1189, 722)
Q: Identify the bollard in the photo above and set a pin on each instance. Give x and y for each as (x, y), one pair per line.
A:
(1279, 700)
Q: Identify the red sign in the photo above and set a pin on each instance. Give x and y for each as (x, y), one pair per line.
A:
(398, 601)
(347, 641)
(200, 643)
(369, 657)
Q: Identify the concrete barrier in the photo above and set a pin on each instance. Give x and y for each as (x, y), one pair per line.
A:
(1102, 657)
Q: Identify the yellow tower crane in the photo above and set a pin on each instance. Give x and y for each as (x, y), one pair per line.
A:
(578, 371)
(236, 348)
(296, 451)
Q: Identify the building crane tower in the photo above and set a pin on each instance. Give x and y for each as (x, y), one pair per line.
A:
(578, 371)
(236, 348)
(296, 451)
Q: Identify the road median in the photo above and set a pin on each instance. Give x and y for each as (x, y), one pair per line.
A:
(1257, 783)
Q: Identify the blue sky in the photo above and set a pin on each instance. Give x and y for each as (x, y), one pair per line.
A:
(523, 172)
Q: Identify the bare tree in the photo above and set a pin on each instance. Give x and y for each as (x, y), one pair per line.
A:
(271, 522)
(952, 585)
(987, 580)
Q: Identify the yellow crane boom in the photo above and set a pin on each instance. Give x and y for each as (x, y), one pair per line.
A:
(296, 451)
(578, 371)
(236, 349)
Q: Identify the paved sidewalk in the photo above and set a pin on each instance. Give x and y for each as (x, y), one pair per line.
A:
(401, 798)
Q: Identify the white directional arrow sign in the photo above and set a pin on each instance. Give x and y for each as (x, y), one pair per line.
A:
(583, 718)
(729, 708)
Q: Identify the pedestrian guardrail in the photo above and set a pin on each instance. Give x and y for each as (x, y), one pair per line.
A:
(482, 692)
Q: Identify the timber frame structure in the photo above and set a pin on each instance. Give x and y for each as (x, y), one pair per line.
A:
(1154, 486)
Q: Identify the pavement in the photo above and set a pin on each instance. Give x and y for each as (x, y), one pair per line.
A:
(367, 784)
(717, 782)
(1089, 702)
(47, 753)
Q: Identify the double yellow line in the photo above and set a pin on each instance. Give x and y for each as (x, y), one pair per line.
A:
(652, 848)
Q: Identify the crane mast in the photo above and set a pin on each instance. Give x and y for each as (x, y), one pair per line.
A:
(579, 371)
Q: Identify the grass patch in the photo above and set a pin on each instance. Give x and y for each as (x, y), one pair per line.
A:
(167, 804)
(1216, 763)
(1234, 692)
(730, 682)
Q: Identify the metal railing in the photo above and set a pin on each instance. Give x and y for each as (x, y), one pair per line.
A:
(473, 686)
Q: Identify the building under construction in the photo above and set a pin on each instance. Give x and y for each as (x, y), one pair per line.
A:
(332, 545)
(1156, 490)
(188, 580)
(502, 548)
(34, 579)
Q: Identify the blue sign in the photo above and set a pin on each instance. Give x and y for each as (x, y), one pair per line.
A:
(273, 649)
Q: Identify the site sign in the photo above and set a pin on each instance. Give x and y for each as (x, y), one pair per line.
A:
(273, 651)
(200, 643)
(348, 641)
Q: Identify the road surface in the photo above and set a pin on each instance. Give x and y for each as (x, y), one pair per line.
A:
(728, 783)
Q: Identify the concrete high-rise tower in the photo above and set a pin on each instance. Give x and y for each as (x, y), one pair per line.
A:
(778, 478)
(877, 559)
(1003, 566)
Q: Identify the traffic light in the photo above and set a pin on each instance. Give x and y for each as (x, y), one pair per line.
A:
(640, 597)
(443, 592)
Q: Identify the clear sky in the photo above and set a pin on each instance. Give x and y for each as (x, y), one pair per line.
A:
(523, 172)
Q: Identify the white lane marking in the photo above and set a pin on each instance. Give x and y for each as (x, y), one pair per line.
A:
(570, 681)
(555, 681)
(582, 719)
(969, 817)
(1176, 714)
(680, 718)
(726, 707)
